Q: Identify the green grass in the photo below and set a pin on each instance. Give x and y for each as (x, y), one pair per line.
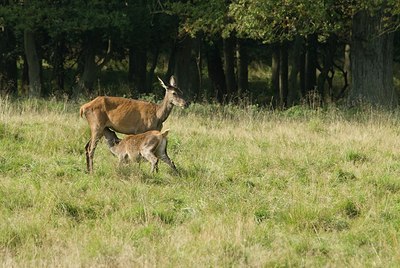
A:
(257, 188)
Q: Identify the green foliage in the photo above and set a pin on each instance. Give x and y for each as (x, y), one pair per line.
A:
(209, 17)
(268, 21)
(65, 29)
(64, 17)
(282, 20)
(272, 21)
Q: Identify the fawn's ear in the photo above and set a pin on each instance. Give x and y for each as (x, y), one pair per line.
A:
(165, 133)
(172, 81)
(162, 83)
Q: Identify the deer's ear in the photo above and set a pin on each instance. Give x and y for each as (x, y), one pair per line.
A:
(162, 83)
(172, 81)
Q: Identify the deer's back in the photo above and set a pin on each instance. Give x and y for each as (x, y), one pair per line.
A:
(139, 141)
(124, 115)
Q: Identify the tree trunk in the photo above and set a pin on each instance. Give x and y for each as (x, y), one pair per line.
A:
(347, 62)
(88, 78)
(229, 66)
(275, 71)
(329, 49)
(91, 46)
(186, 68)
(311, 63)
(171, 60)
(295, 61)
(371, 62)
(8, 63)
(58, 65)
(150, 77)
(199, 64)
(25, 77)
(216, 73)
(138, 68)
(35, 85)
(283, 92)
(302, 72)
(243, 64)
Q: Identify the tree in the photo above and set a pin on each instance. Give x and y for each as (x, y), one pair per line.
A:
(99, 25)
(295, 76)
(209, 20)
(35, 84)
(372, 58)
(242, 67)
(54, 41)
(137, 35)
(48, 27)
(278, 23)
(34, 66)
(372, 43)
(275, 73)
(311, 62)
(8, 60)
(215, 71)
(229, 44)
(287, 23)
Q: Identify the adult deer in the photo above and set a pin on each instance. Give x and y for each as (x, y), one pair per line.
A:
(127, 116)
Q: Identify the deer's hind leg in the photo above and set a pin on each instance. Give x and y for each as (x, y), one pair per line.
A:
(150, 156)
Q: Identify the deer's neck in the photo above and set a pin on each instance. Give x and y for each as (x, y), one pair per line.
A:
(163, 110)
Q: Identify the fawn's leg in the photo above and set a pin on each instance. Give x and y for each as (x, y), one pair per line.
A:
(163, 155)
(152, 159)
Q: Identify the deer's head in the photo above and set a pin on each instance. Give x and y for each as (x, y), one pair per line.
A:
(172, 93)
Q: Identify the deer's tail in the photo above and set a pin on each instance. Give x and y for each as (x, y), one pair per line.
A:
(82, 110)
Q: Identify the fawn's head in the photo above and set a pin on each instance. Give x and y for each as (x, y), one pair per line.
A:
(111, 138)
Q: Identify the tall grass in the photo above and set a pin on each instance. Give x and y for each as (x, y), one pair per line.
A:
(257, 188)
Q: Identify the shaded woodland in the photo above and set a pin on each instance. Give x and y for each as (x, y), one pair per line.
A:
(278, 53)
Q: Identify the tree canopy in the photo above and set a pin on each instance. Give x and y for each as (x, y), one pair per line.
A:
(214, 41)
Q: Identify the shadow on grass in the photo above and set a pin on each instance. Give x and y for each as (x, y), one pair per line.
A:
(195, 171)
(132, 172)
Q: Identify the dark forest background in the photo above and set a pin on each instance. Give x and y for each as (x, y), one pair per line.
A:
(270, 52)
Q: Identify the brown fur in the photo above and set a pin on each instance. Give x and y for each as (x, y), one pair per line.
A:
(151, 145)
(127, 116)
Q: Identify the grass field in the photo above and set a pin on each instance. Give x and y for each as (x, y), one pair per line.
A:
(257, 188)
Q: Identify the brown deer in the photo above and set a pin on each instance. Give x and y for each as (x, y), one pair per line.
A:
(151, 145)
(127, 116)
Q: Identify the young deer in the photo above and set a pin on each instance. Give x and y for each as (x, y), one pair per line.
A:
(151, 145)
(127, 116)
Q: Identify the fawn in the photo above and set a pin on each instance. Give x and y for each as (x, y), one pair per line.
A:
(151, 145)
